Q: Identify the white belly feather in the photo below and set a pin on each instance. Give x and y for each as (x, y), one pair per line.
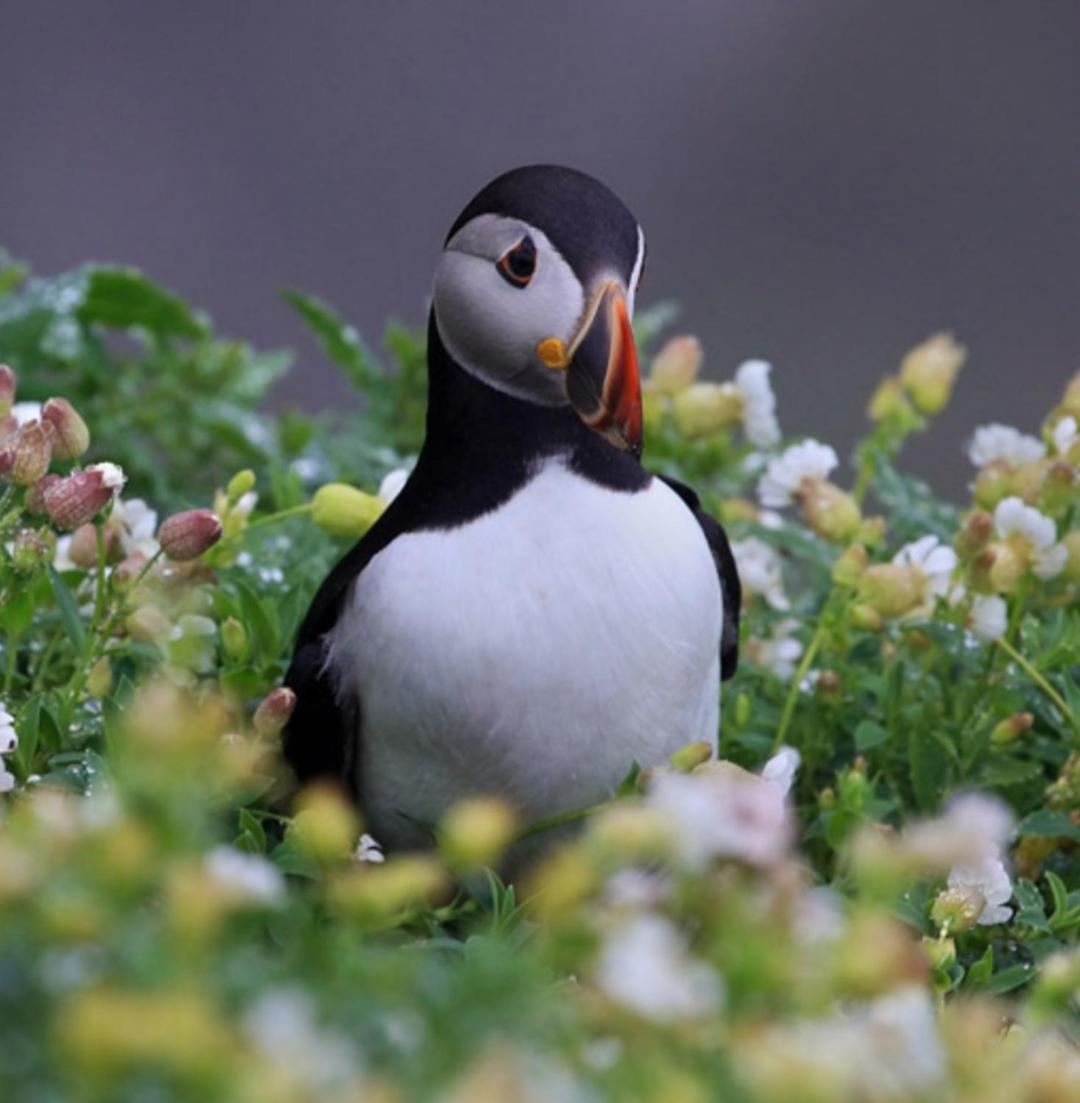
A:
(533, 653)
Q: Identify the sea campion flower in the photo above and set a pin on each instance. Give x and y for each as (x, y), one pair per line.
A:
(1065, 436)
(70, 436)
(989, 618)
(800, 475)
(9, 741)
(934, 561)
(645, 966)
(929, 371)
(759, 571)
(1033, 535)
(72, 501)
(759, 403)
(990, 880)
(187, 535)
(1002, 443)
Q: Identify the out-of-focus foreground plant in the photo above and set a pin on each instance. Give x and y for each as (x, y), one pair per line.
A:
(868, 890)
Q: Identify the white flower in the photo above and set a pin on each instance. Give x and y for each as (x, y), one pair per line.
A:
(1013, 518)
(246, 875)
(392, 485)
(368, 850)
(25, 412)
(112, 475)
(644, 965)
(759, 570)
(138, 523)
(992, 881)
(1003, 442)
(974, 829)
(759, 403)
(778, 653)
(809, 460)
(721, 811)
(281, 1025)
(934, 560)
(636, 888)
(1065, 435)
(900, 1052)
(989, 618)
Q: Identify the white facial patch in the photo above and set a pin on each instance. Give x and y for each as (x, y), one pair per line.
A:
(635, 275)
(492, 327)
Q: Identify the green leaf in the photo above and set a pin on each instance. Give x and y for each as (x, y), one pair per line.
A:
(929, 764)
(1049, 824)
(340, 341)
(1008, 979)
(869, 734)
(980, 971)
(252, 837)
(915, 509)
(124, 297)
(69, 611)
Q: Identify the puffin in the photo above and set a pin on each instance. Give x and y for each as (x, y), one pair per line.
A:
(534, 612)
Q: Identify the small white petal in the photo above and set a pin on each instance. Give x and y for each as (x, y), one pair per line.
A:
(1065, 435)
(989, 618)
(759, 403)
(786, 473)
(1003, 442)
(1013, 517)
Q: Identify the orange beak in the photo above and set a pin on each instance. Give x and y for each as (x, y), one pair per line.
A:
(603, 381)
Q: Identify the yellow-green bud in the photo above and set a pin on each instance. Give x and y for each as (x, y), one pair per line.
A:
(703, 409)
(871, 532)
(692, 755)
(831, 512)
(1007, 568)
(891, 589)
(867, 618)
(677, 364)
(888, 401)
(742, 709)
(100, 680)
(345, 511)
(240, 484)
(476, 832)
(1011, 728)
(1026, 481)
(940, 952)
(1058, 489)
(848, 568)
(234, 639)
(147, 624)
(929, 371)
(957, 909)
(374, 894)
(1071, 540)
(326, 825)
(993, 483)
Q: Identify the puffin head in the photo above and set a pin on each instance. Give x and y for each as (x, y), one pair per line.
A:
(534, 293)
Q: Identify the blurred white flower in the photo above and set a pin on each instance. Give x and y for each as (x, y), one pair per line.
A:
(989, 618)
(779, 653)
(281, 1025)
(974, 829)
(368, 850)
(25, 412)
(112, 476)
(644, 965)
(809, 460)
(248, 875)
(722, 811)
(392, 485)
(138, 523)
(992, 882)
(932, 559)
(900, 1052)
(759, 570)
(638, 888)
(1013, 518)
(1065, 435)
(8, 742)
(192, 643)
(1003, 442)
(759, 403)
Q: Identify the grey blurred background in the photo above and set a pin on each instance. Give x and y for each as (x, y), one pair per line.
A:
(823, 184)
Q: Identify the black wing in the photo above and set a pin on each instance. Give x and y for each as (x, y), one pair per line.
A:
(322, 736)
(730, 586)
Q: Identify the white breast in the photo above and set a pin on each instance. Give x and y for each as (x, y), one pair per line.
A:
(533, 653)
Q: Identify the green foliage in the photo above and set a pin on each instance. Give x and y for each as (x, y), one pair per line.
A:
(173, 925)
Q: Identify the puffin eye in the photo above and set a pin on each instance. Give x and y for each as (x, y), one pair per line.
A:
(517, 265)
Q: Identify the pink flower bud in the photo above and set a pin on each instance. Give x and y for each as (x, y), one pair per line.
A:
(188, 535)
(274, 711)
(32, 453)
(7, 458)
(80, 497)
(7, 390)
(72, 438)
(35, 496)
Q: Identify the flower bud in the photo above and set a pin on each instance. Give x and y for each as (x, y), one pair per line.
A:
(891, 589)
(867, 618)
(692, 755)
(476, 832)
(677, 364)
(742, 710)
(74, 500)
(1058, 489)
(82, 550)
(71, 438)
(929, 371)
(100, 680)
(974, 534)
(871, 532)
(1070, 400)
(373, 894)
(240, 484)
(848, 568)
(829, 684)
(993, 483)
(957, 909)
(703, 409)
(31, 549)
(7, 390)
(1007, 568)
(1071, 540)
(831, 512)
(940, 952)
(31, 454)
(326, 825)
(35, 496)
(888, 401)
(187, 535)
(1026, 480)
(345, 511)
(147, 624)
(234, 638)
(1011, 728)
(274, 711)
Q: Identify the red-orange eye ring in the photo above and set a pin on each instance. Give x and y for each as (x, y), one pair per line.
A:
(517, 265)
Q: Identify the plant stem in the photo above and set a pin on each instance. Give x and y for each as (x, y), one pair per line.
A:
(560, 819)
(1038, 679)
(793, 691)
(281, 515)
